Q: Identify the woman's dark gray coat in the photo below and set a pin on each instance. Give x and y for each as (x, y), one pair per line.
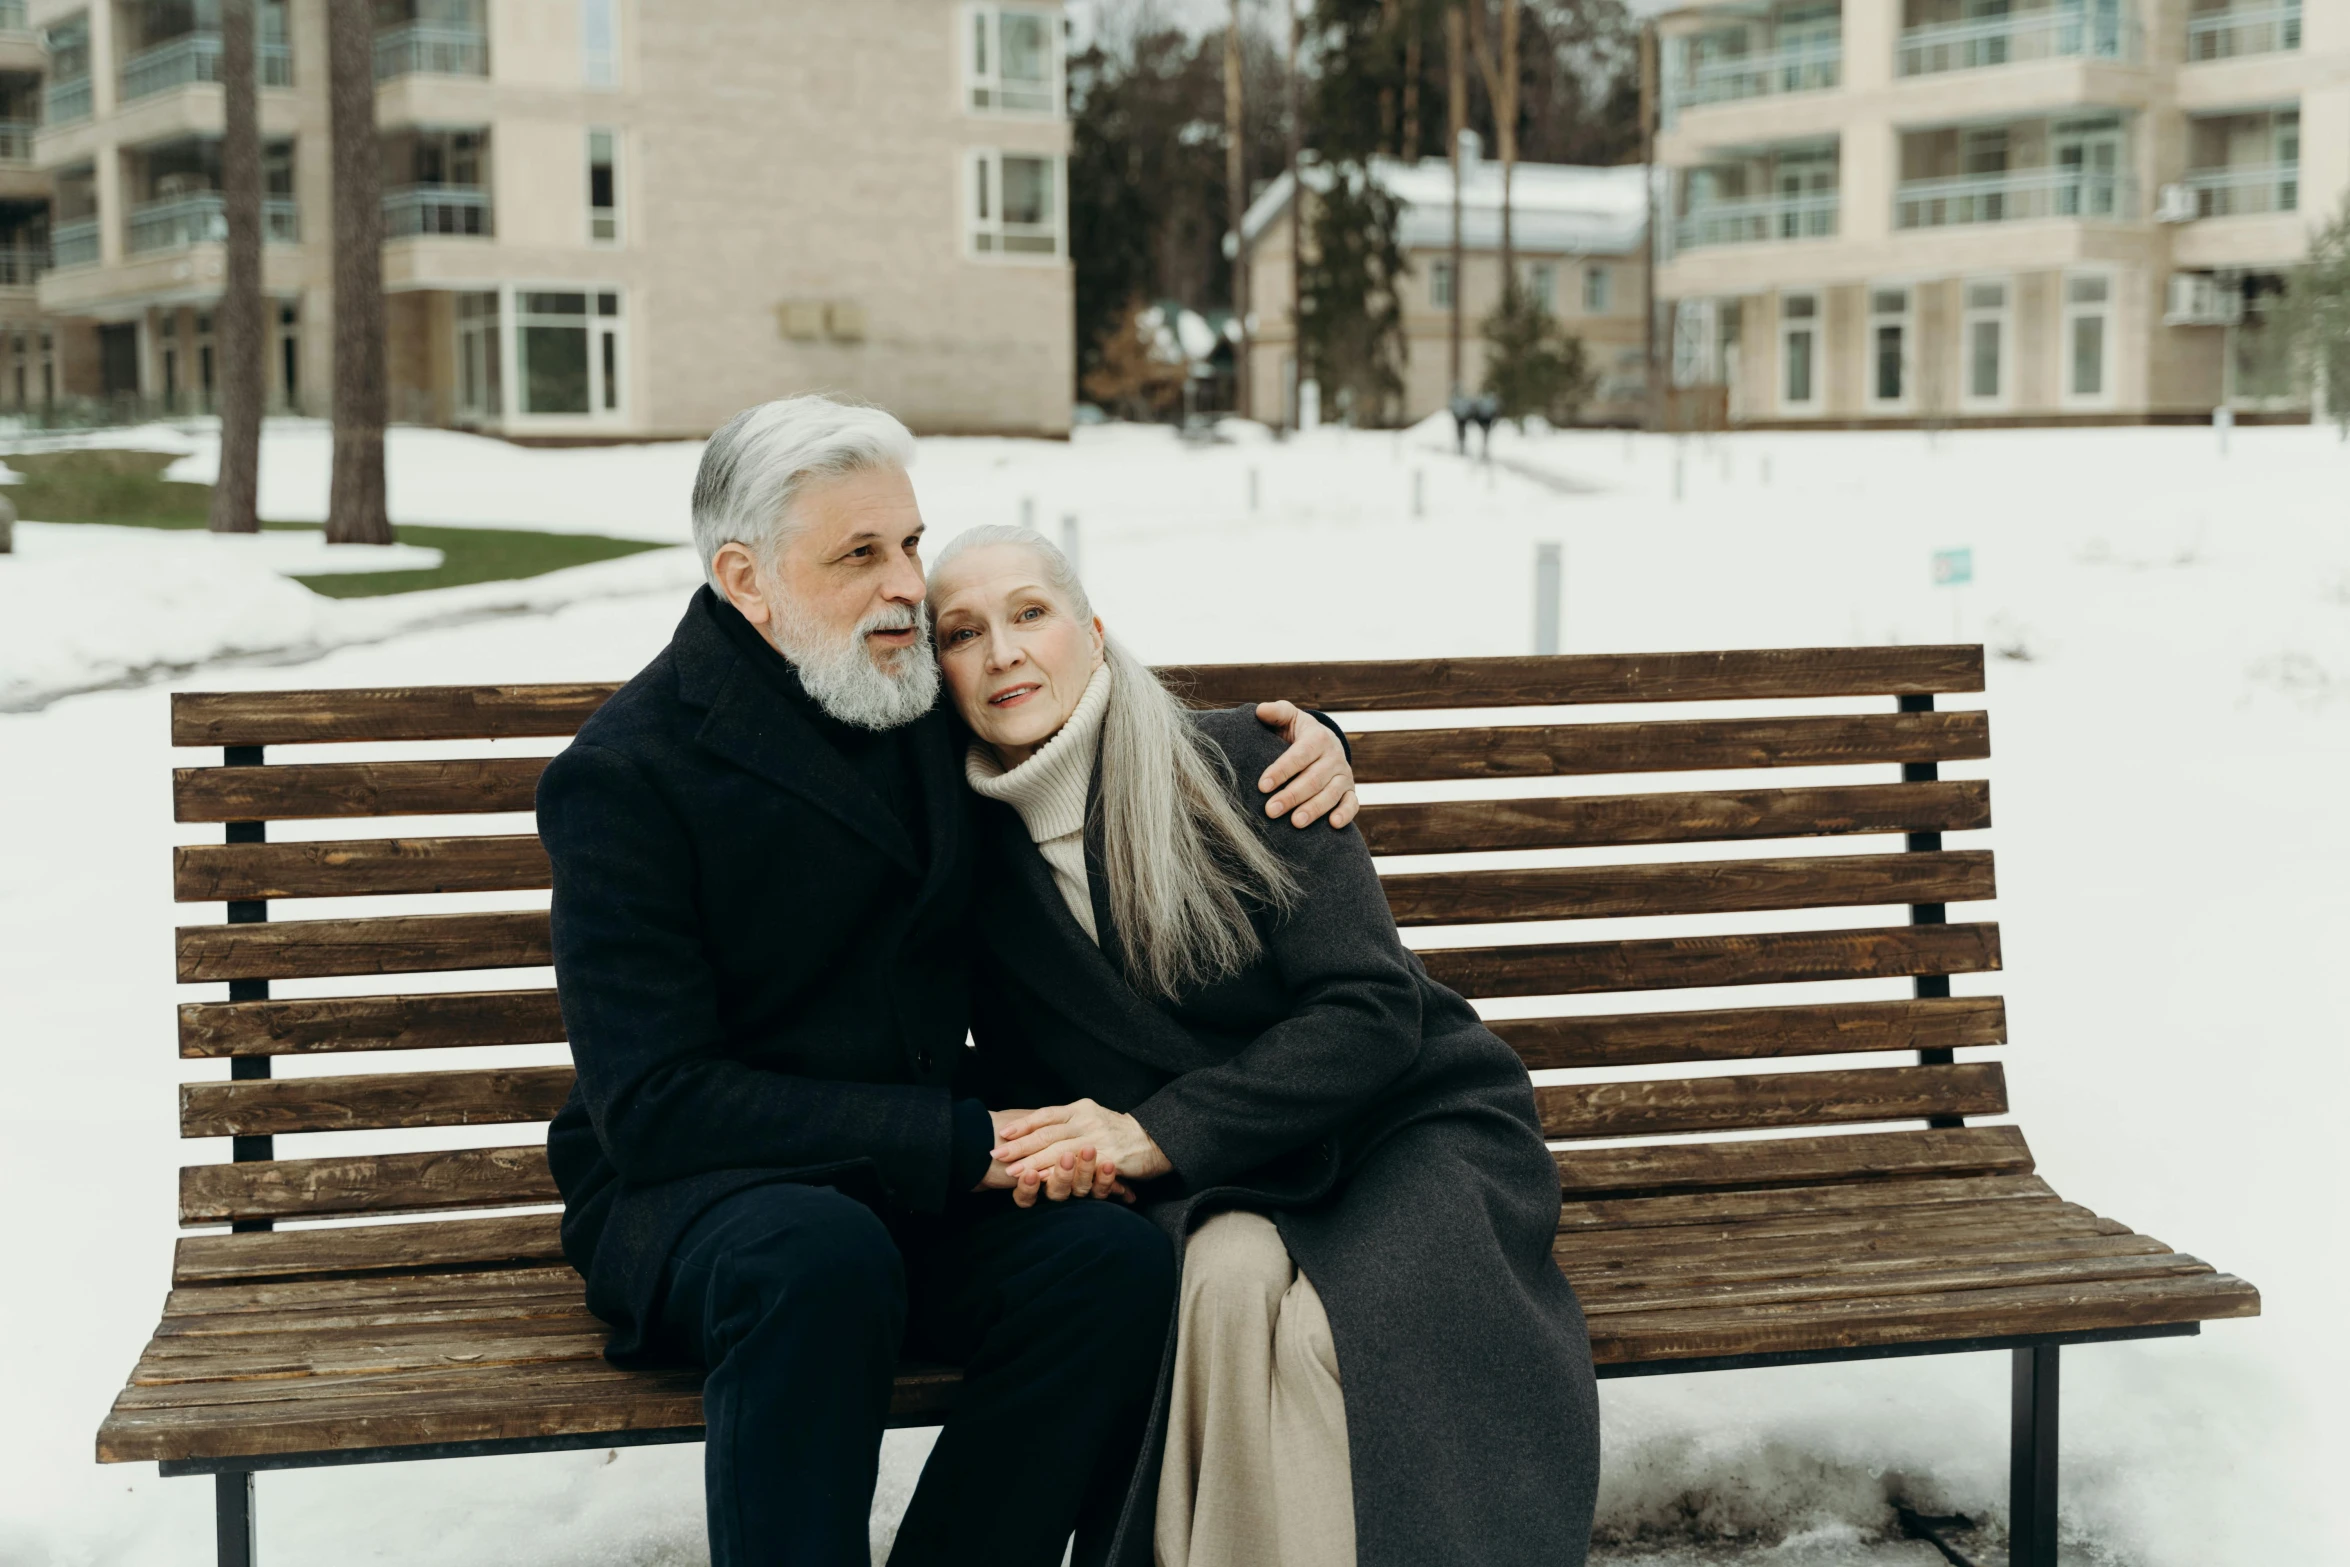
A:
(1335, 1086)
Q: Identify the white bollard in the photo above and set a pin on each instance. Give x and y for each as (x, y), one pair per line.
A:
(1069, 541)
(1419, 493)
(1252, 489)
(1766, 468)
(2223, 419)
(1680, 464)
(1549, 579)
(1028, 512)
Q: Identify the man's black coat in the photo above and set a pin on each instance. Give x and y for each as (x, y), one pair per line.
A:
(761, 969)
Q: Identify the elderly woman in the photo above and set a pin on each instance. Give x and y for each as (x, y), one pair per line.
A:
(1376, 1359)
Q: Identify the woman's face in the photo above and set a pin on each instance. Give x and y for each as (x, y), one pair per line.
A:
(1014, 654)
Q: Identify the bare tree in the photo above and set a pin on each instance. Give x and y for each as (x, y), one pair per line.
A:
(1236, 201)
(1501, 91)
(1456, 122)
(355, 506)
(238, 322)
(1294, 414)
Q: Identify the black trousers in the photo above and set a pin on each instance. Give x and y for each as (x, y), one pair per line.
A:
(800, 1300)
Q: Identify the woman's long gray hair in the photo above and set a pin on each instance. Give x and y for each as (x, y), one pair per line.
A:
(1182, 859)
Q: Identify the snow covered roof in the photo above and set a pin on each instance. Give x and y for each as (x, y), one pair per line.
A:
(1553, 206)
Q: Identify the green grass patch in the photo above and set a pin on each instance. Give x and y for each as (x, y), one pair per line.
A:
(127, 489)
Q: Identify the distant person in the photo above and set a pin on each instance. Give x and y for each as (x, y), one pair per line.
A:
(775, 1164)
(1463, 408)
(1377, 1359)
(1486, 410)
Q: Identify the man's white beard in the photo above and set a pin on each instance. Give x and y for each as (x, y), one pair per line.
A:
(841, 674)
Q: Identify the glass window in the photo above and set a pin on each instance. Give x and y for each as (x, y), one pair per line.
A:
(603, 187)
(1440, 285)
(599, 42)
(1983, 339)
(1015, 204)
(1888, 344)
(1983, 360)
(1598, 290)
(2086, 336)
(1799, 350)
(551, 340)
(1542, 283)
(479, 394)
(1012, 61)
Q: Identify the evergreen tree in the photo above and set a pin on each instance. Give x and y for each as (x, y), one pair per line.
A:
(1532, 364)
(1350, 335)
(2315, 314)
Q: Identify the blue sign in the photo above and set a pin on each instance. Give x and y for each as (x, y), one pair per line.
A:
(1953, 567)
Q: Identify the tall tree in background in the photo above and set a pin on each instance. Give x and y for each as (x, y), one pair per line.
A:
(238, 321)
(1352, 340)
(1456, 120)
(1500, 72)
(2314, 316)
(1236, 202)
(355, 505)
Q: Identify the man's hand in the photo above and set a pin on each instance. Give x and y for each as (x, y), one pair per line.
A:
(1056, 1178)
(1313, 777)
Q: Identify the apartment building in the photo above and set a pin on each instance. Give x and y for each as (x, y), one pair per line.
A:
(1578, 238)
(604, 219)
(1995, 210)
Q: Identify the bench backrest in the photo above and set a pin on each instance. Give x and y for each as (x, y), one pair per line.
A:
(1774, 852)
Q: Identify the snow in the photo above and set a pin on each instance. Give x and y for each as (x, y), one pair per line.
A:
(2169, 720)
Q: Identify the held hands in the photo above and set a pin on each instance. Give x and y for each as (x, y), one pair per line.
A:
(1313, 777)
(1071, 1150)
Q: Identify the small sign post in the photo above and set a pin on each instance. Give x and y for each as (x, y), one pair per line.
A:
(1954, 569)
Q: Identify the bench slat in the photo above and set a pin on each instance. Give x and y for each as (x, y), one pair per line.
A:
(1743, 1033)
(1700, 816)
(1686, 962)
(390, 944)
(227, 718)
(1560, 680)
(359, 867)
(509, 1177)
(1689, 745)
(307, 790)
(1864, 1282)
(1699, 887)
(1699, 1250)
(1705, 1208)
(373, 1100)
(369, 1248)
(1791, 1161)
(335, 1024)
(1714, 1104)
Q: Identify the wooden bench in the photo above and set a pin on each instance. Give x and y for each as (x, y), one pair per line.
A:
(1786, 1244)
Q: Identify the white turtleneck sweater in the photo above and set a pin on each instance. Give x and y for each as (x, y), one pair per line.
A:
(1050, 789)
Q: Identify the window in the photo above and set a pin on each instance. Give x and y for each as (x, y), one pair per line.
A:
(2088, 342)
(1015, 204)
(1888, 345)
(599, 42)
(1599, 288)
(1011, 59)
(1799, 351)
(289, 354)
(479, 395)
(1440, 285)
(567, 348)
(1542, 281)
(1983, 325)
(603, 187)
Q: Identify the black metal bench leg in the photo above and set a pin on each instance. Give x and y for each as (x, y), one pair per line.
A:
(2031, 1473)
(232, 1506)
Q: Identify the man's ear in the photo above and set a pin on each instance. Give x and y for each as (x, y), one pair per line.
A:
(738, 580)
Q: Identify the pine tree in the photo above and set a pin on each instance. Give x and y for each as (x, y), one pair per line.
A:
(1532, 364)
(2315, 314)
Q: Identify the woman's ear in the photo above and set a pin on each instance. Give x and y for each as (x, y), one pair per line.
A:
(1100, 639)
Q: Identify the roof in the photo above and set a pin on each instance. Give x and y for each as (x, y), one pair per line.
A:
(1567, 207)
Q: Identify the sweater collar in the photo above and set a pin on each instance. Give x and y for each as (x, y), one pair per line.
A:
(1049, 789)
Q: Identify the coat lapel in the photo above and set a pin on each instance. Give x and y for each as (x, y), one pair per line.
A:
(1032, 932)
(757, 730)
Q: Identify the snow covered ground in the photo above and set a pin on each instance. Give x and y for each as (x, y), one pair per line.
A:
(2171, 711)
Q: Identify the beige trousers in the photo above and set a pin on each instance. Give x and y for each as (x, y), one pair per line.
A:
(1256, 1471)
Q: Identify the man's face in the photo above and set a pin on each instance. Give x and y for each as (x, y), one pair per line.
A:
(853, 556)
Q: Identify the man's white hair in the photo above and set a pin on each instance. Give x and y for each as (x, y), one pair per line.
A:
(756, 465)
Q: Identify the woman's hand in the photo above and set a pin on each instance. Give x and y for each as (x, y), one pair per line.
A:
(1056, 1140)
(1078, 1172)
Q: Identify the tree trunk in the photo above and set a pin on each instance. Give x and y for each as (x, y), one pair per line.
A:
(1236, 202)
(1456, 121)
(1411, 87)
(241, 322)
(1292, 415)
(1501, 90)
(355, 507)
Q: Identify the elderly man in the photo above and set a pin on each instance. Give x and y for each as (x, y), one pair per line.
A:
(775, 1164)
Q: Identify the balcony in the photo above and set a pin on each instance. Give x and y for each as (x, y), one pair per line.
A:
(13, 18)
(16, 141)
(195, 57)
(1763, 218)
(2248, 190)
(1811, 65)
(429, 49)
(2098, 31)
(2014, 196)
(201, 219)
(74, 244)
(414, 210)
(21, 265)
(2230, 31)
(62, 103)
